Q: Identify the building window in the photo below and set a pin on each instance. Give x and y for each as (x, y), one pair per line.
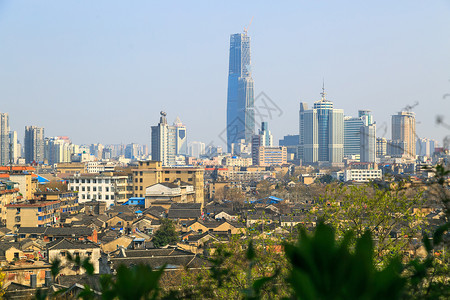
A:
(166, 172)
(166, 179)
(140, 188)
(107, 189)
(189, 179)
(94, 189)
(18, 219)
(140, 179)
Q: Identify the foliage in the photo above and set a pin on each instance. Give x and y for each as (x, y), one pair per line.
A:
(2, 281)
(166, 234)
(325, 269)
(387, 214)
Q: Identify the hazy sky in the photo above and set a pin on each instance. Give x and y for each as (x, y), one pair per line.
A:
(100, 71)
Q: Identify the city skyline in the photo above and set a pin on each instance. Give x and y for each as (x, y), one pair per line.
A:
(389, 75)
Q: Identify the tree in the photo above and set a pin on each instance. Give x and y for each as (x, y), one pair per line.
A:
(166, 234)
(386, 213)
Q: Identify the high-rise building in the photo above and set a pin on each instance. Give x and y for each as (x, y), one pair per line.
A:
(352, 132)
(14, 147)
(303, 107)
(196, 149)
(4, 139)
(240, 98)
(381, 147)
(34, 144)
(323, 133)
(168, 142)
(404, 130)
(368, 143)
(58, 150)
(425, 147)
(263, 139)
(366, 115)
(352, 135)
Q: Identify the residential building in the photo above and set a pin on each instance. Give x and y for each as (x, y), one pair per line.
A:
(271, 156)
(404, 130)
(4, 139)
(105, 187)
(32, 214)
(149, 173)
(425, 147)
(8, 193)
(323, 133)
(34, 144)
(237, 161)
(84, 249)
(58, 150)
(240, 96)
(263, 139)
(381, 147)
(14, 147)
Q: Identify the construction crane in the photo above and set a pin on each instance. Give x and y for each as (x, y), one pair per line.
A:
(246, 28)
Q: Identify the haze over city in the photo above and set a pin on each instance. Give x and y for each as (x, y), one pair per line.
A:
(100, 73)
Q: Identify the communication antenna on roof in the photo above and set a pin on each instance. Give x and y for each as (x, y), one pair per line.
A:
(323, 89)
(246, 28)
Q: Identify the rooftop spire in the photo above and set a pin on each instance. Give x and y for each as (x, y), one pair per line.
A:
(323, 89)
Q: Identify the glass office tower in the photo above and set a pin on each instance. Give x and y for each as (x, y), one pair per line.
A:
(240, 99)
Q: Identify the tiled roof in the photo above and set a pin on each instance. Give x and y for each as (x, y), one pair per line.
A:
(64, 244)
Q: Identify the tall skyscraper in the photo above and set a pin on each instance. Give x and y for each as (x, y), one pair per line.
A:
(34, 144)
(4, 139)
(168, 141)
(240, 98)
(323, 132)
(404, 130)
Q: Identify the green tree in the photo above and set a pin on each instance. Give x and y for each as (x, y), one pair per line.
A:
(387, 213)
(166, 234)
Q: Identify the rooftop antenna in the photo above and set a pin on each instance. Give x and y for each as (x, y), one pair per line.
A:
(323, 89)
(246, 28)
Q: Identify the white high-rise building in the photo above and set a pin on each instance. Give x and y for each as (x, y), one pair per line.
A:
(14, 146)
(4, 139)
(322, 133)
(168, 142)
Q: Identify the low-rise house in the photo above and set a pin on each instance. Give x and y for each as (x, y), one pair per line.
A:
(215, 226)
(123, 241)
(49, 234)
(228, 215)
(172, 258)
(178, 192)
(146, 225)
(291, 221)
(60, 248)
(185, 211)
(121, 221)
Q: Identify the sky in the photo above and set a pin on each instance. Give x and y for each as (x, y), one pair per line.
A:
(101, 71)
